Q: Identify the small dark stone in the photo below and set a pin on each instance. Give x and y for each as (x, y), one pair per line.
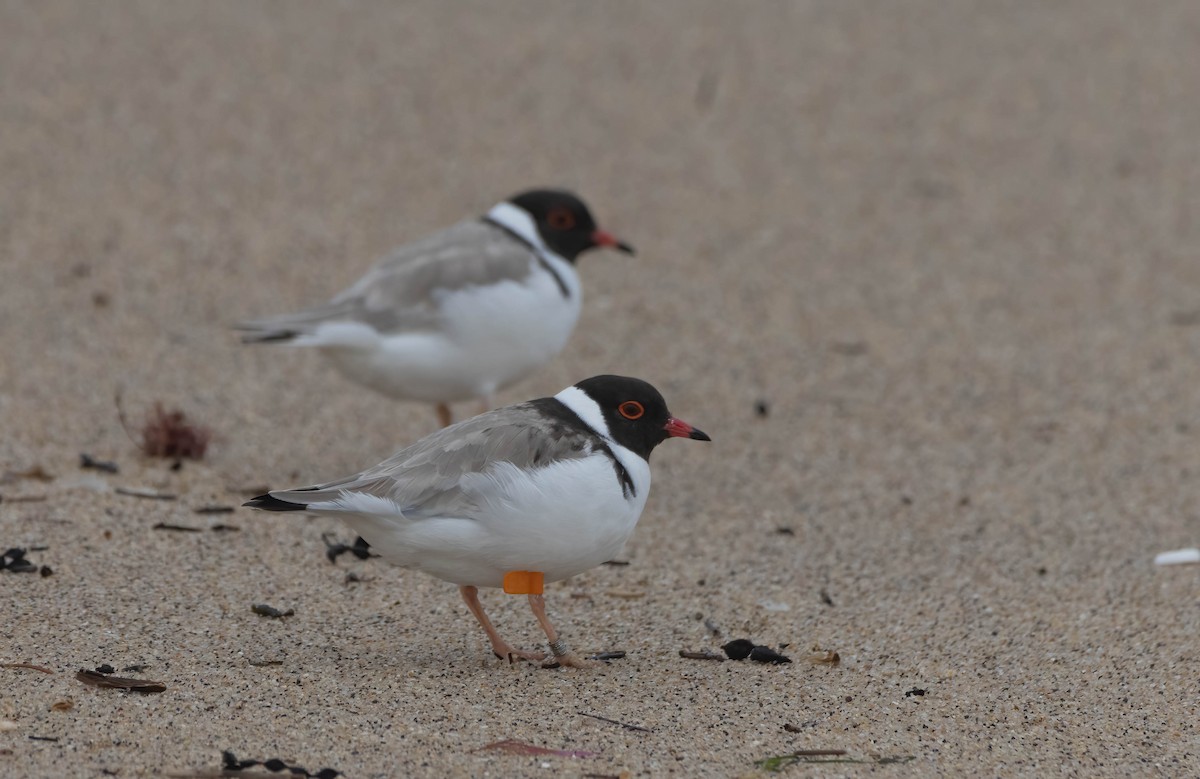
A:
(105, 669)
(785, 531)
(177, 465)
(762, 409)
(45, 571)
(828, 601)
(270, 611)
(914, 691)
(764, 654)
(738, 649)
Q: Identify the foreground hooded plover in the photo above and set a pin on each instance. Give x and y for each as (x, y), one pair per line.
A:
(538, 491)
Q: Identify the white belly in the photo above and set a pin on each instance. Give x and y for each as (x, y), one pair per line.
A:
(526, 525)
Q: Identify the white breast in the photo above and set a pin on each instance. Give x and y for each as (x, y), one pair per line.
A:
(561, 520)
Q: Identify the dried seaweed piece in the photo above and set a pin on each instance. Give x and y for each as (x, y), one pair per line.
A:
(210, 509)
(14, 560)
(168, 434)
(176, 528)
(738, 649)
(615, 655)
(119, 683)
(335, 549)
(105, 669)
(915, 691)
(87, 461)
(700, 655)
(229, 762)
(270, 611)
(514, 747)
(765, 654)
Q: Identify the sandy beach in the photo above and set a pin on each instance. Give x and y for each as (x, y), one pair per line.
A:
(927, 273)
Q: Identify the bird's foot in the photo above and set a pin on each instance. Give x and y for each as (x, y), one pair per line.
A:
(510, 653)
(572, 659)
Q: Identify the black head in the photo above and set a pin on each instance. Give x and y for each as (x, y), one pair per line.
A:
(565, 224)
(636, 413)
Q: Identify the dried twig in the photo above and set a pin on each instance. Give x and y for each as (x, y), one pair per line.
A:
(615, 722)
(30, 666)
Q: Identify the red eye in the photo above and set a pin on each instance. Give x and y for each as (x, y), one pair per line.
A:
(631, 409)
(560, 219)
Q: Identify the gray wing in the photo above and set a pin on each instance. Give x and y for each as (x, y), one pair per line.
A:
(400, 293)
(434, 477)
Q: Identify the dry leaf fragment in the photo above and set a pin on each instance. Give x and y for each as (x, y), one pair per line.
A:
(94, 679)
(66, 705)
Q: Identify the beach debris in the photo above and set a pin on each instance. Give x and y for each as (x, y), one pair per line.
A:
(741, 648)
(63, 705)
(785, 530)
(779, 762)
(625, 725)
(210, 509)
(687, 655)
(762, 409)
(625, 594)
(168, 434)
(30, 666)
(712, 627)
(821, 656)
(43, 738)
(828, 601)
(617, 654)
(105, 669)
(738, 649)
(229, 762)
(514, 747)
(1187, 556)
(143, 492)
(34, 472)
(133, 669)
(263, 663)
(335, 549)
(615, 563)
(14, 560)
(96, 679)
(270, 611)
(86, 461)
(175, 528)
(917, 691)
(764, 654)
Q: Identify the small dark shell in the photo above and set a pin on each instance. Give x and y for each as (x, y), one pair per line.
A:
(764, 654)
(738, 649)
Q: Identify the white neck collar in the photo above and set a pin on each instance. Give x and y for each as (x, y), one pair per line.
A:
(517, 220)
(586, 409)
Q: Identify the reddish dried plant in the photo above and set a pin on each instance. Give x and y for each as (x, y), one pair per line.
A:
(169, 434)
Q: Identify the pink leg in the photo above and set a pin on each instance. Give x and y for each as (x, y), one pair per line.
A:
(502, 648)
(564, 655)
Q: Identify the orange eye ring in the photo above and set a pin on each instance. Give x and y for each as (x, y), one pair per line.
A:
(631, 409)
(560, 219)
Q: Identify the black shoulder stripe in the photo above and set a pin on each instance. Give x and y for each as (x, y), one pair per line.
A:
(562, 285)
(557, 410)
(627, 488)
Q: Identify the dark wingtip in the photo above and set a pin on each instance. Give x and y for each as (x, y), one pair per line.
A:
(270, 503)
